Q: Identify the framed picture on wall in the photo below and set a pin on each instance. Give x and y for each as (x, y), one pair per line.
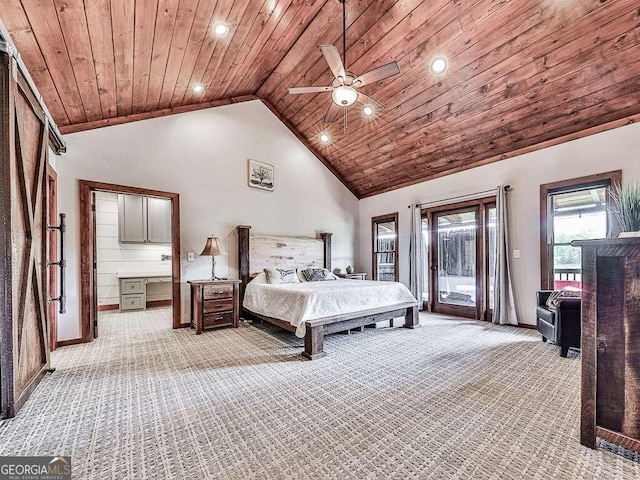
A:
(261, 175)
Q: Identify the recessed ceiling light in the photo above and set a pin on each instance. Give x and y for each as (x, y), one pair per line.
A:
(368, 111)
(198, 88)
(438, 66)
(221, 29)
(324, 137)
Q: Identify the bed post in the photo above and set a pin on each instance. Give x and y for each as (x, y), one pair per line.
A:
(411, 318)
(314, 342)
(326, 238)
(243, 257)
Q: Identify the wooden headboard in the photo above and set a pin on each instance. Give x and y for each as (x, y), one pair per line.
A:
(257, 252)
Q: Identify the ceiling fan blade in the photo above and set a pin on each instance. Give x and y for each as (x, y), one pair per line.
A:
(333, 113)
(385, 71)
(332, 56)
(367, 100)
(300, 90)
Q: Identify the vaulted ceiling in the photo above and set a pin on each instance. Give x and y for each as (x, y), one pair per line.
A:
(521, 74)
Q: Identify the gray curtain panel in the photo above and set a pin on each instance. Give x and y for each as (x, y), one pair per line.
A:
(504, 309)
(416, 255)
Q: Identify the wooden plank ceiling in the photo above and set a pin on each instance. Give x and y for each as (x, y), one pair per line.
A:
(521, 74)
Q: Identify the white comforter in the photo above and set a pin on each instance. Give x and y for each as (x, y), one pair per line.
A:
(298, 302)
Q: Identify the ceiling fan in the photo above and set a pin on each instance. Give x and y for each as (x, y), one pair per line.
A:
(344, 88)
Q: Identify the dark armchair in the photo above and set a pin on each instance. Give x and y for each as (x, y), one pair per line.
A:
(562, 326)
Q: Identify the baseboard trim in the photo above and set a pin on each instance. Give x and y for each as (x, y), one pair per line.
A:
(159, 303)
(525, 325)
(150, 304)
(66, 343)
(104, 308)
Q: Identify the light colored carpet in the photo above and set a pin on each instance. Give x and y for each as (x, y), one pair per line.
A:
(453, 399)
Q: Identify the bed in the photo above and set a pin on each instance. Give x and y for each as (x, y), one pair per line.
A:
(313, 309)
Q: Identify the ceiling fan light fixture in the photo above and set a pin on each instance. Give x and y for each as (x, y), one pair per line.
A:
(324, 138)
(221, 30)
(344, 96)
(368, 111)
(438, 65)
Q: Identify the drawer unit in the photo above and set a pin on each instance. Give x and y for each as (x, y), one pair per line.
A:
(214, 303)
(212, 292)
(133, 288)
(132, 302)
(133, 294)
(217, 320)
(216, 306)
(158, 279)
(131, 285)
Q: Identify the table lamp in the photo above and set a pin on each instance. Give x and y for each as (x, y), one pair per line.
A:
(212, 248)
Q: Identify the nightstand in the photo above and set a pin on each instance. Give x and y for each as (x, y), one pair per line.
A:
(214, 303)
(353, 276)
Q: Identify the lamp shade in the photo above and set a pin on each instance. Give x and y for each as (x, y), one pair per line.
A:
(343, 96)
(211, 248)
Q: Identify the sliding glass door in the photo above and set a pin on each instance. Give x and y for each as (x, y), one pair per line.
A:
(462, 245)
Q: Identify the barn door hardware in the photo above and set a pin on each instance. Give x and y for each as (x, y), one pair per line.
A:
(61, 263)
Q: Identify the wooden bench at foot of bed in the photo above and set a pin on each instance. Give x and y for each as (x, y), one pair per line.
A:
(318, 328)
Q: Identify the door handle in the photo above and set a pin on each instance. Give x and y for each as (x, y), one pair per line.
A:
(61, 298)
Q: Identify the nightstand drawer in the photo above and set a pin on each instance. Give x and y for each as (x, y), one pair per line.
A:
(216, 306)
(212, 292)
(217, 319)
(131, 285)
(132, 302)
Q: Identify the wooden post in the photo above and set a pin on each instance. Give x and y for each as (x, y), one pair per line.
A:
(243, 258)
(326, 238)
(412, 319)
(314, 342)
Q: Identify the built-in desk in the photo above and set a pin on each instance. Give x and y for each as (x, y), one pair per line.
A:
(133, 288)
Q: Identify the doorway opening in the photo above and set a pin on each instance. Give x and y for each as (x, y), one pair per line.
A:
(461, 241)
(130, 253)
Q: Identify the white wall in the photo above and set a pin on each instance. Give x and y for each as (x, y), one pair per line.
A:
(203, 156)
(115, 257)
(611, 150)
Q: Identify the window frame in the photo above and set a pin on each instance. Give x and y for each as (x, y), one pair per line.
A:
(607, 179)
(390, 217)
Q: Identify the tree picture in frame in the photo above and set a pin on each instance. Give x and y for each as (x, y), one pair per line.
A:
(261, 175)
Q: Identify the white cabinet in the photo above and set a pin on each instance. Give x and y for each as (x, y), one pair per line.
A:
(144, 219)
(132, 219)
(158, 220)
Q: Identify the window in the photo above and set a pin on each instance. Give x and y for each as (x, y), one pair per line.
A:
(573, 210)
(385, 247)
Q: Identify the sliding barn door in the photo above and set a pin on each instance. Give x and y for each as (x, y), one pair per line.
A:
(24, 342)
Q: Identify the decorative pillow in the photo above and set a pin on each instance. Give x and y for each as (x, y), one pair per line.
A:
(278, 275)
(554, 297)
(317, 274)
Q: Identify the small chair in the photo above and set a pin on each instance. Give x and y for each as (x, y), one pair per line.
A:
(562, 326)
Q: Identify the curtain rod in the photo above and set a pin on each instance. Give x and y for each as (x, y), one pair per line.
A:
(493, 190)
